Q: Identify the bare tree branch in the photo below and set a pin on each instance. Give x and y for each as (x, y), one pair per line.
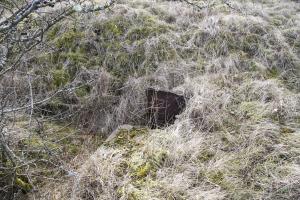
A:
(31, 98)
(23, 25)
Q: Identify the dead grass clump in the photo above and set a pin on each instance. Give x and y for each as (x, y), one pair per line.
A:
(97, 102)
(131, 108)
(279, 103)
(99, 177)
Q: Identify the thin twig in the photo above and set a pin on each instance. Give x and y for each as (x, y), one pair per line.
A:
(31, 98)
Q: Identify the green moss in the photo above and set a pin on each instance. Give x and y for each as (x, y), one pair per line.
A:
(113, 36)
(69, 39)
(38, 143)
(23, 185)
(52, 33)
(47, 146)
(218, 177)
(143, 170)
(113, 29)
(120, 61)
(141, 166)
(83, 91)
(60, 77)
(127, 138)
(138, 164)
(70, 50)
(38, 148)
(137, 132)
(32, 142)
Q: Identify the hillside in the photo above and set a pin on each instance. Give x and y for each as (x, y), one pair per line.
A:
(237, 63)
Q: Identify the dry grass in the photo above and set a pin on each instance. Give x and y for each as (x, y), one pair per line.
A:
(239, 135)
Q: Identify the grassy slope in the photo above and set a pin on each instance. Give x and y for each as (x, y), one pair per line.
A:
(239, 135)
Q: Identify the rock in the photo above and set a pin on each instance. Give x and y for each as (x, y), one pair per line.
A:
(116, 131)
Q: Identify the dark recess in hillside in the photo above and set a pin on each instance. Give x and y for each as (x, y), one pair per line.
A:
(162, 107)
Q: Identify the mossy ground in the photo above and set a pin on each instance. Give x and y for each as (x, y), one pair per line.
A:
(48, 147)
(238, 137)
(113, 36)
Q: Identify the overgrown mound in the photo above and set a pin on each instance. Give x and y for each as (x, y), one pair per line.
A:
(163, 43)
(238, 66)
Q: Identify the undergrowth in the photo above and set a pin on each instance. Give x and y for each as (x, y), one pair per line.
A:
(238, 67)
